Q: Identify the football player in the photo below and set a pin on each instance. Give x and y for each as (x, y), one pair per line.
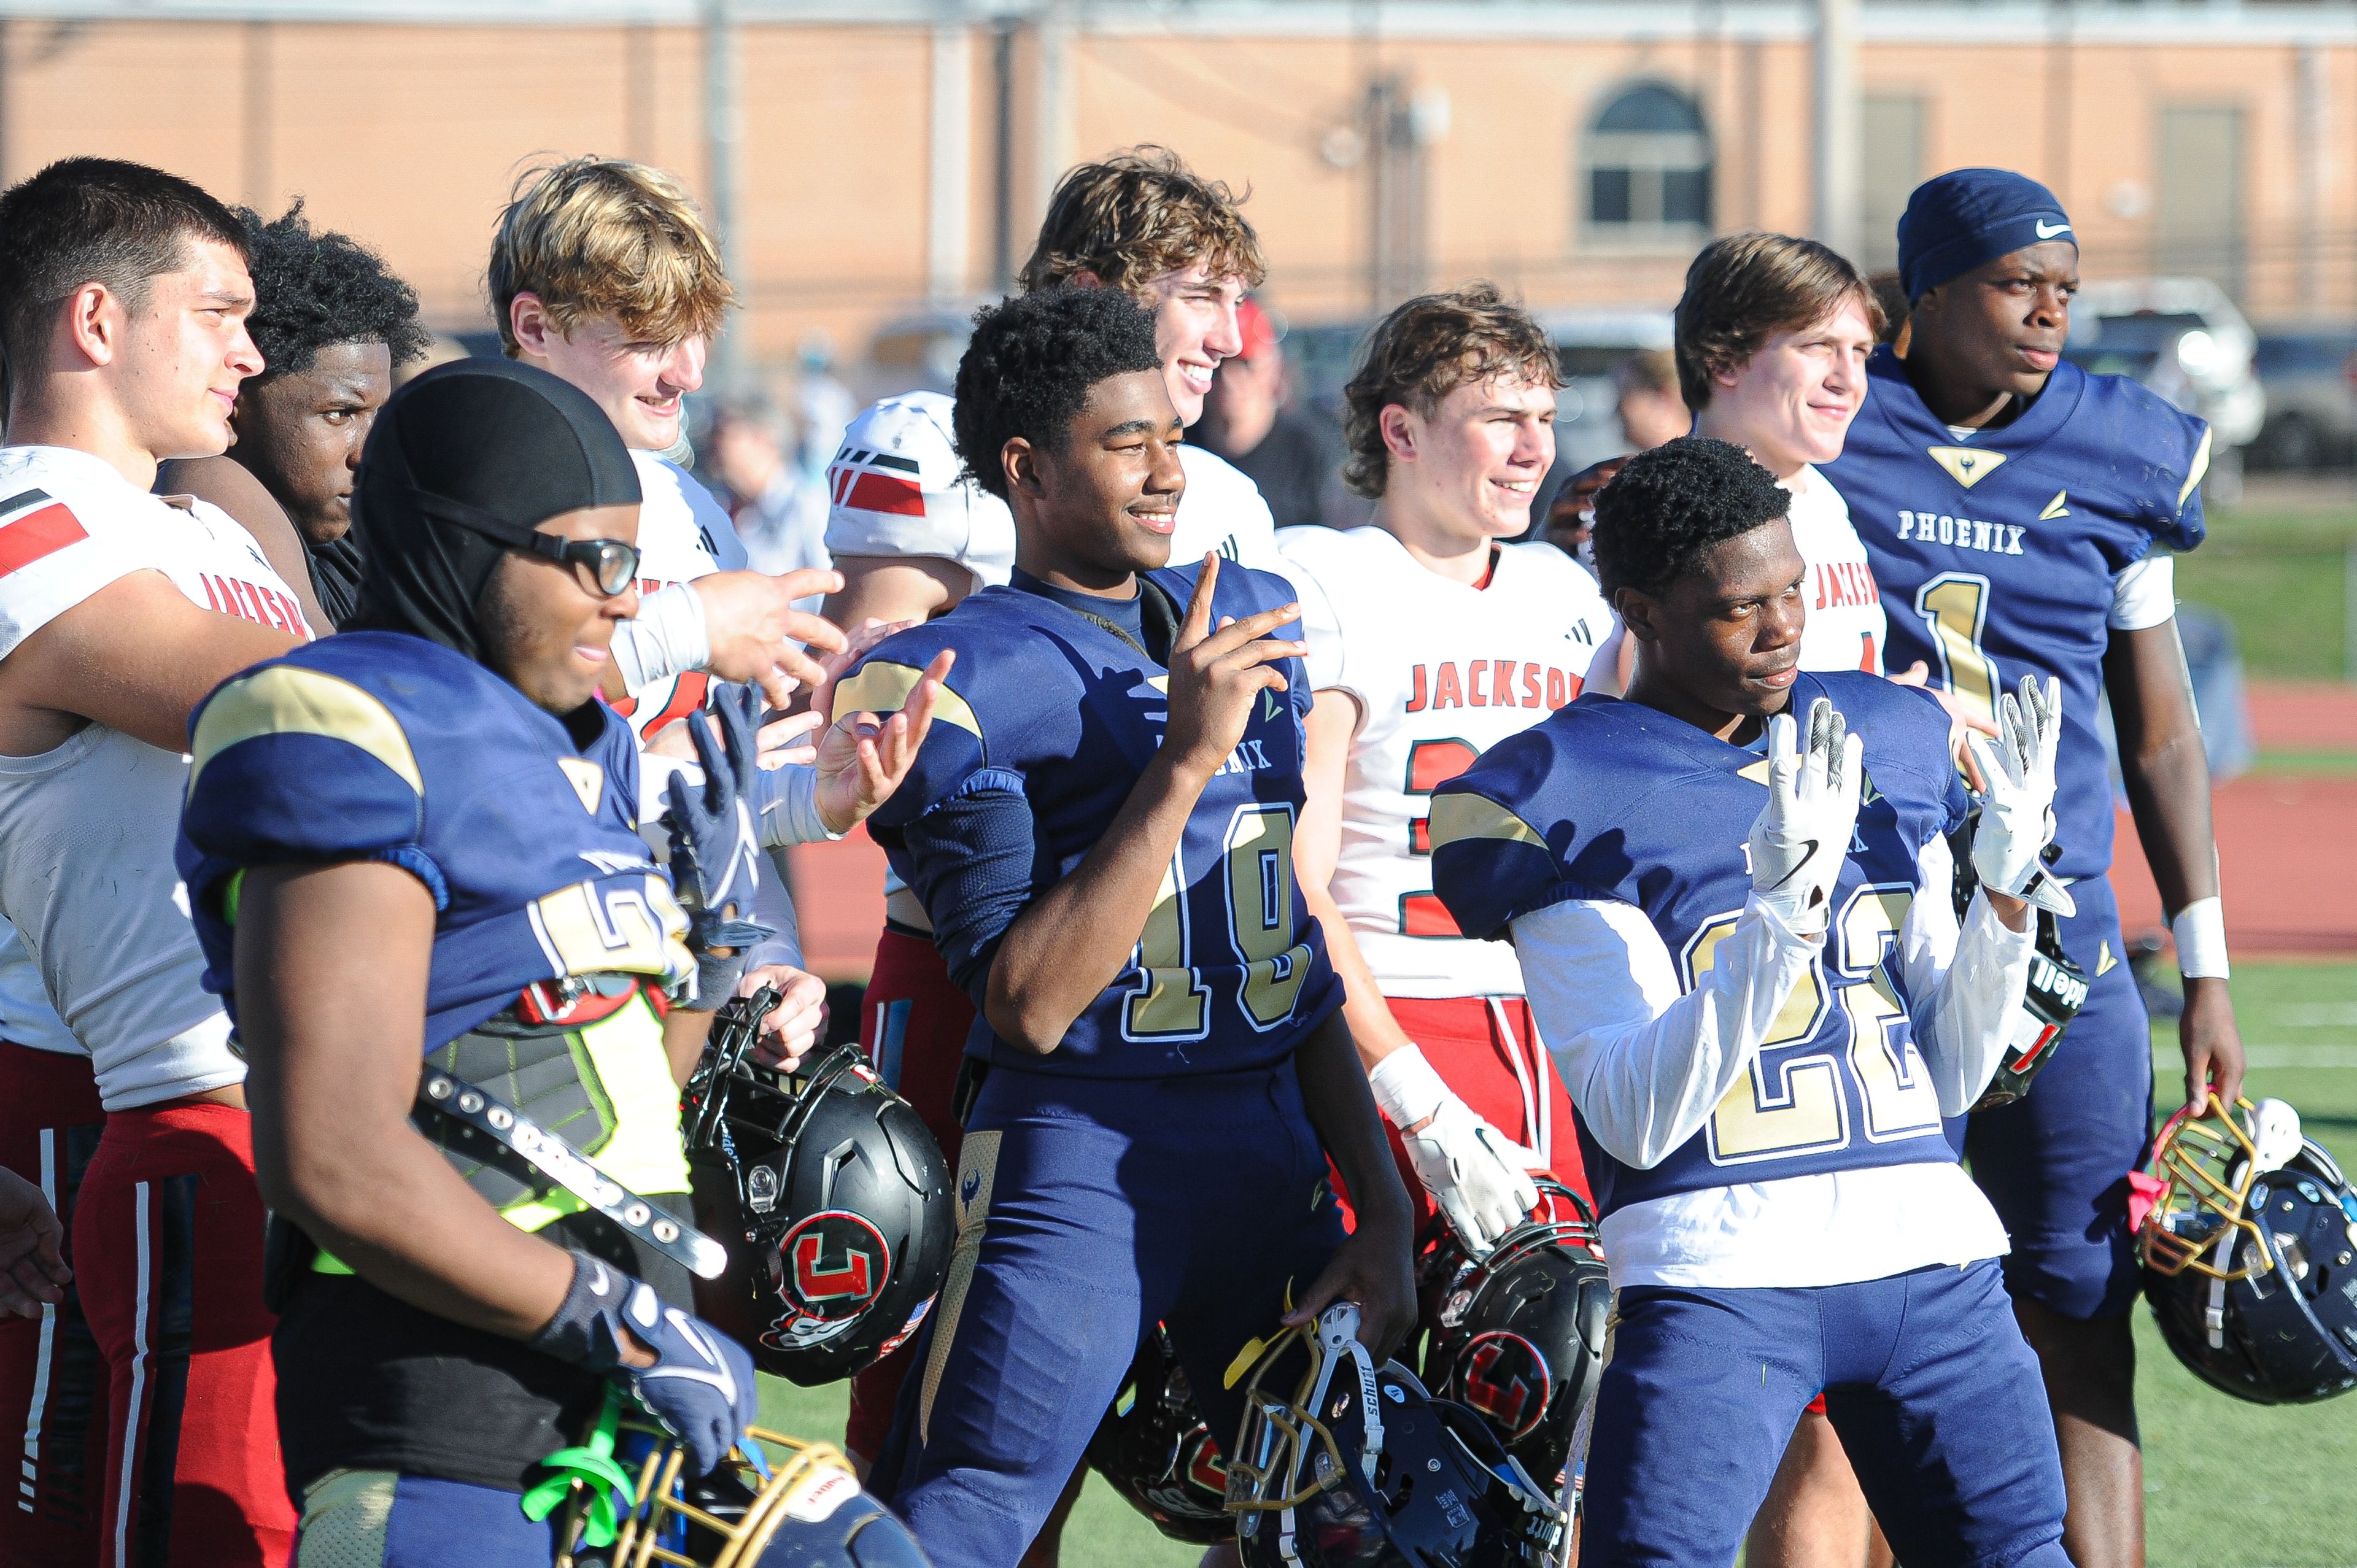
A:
(424, 833)
(1430, 640)
(1750, 970)
(332, 324)
(124, 294)
(2012, 504)
(603, 274)
(912, 536)
(1101, 831)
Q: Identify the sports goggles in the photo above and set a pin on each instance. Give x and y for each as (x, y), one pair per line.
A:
(608, 566)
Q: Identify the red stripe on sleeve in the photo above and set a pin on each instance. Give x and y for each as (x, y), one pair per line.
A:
(38, 533)
(886, 493)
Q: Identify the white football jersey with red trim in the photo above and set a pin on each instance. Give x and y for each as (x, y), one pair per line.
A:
(87, 830)
(1847, 627)
(1441, 672)
(684, 533)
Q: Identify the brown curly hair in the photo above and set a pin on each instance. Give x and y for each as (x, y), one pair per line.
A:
(1137, 215)
(1744, 289)
(1426, 349)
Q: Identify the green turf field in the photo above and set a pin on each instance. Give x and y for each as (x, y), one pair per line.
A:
(2228, 1485)
(2279, 574)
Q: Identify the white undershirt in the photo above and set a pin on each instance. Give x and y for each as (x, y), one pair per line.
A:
(1646, 1065)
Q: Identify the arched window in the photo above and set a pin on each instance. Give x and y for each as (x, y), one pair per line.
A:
(1648, 168)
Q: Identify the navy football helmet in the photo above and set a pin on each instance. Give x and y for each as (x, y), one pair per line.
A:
(1154, 1449)
(2250, 1254)
(775, 1502)
(1357, 1467)
(831, 1195)
(1517, 1336)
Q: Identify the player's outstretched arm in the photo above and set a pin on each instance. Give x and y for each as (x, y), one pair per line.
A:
(1373, 1267)
(1070, 942)
(135, 656)
(2167, 779)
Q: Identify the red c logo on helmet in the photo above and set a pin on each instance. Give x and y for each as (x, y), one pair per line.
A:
(1507, 1379)
(838, 1261)
(1204, 1469)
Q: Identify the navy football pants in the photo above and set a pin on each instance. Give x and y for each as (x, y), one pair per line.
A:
(2055, 1162)
(1089, 1209)
(1935, 1393)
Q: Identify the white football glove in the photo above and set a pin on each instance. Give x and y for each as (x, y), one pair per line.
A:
(1475, 1173)
(2016, 770)
(1802, 836)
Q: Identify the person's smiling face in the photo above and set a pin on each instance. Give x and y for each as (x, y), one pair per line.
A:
(1105, 503)
(1792, 403)
(1194, 329)
(546, 628)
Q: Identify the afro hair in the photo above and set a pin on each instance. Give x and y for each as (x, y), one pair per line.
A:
(1671, 504)
(1031, 364)
(312, 289)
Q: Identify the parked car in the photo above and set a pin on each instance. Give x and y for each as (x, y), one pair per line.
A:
(2312, 384)
(2183, 338)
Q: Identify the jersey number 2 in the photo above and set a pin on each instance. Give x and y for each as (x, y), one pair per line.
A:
(1797, 1107)
(1430, 764)
(1171, 1002)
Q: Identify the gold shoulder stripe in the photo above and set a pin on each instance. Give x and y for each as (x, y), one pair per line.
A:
(287, 699)
(2199, 467)
(1968, 466)
(1459, 817)
(881, 686)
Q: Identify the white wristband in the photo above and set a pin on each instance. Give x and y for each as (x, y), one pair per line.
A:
(1407, 1090)
(2200, 932)
(668, 637)
(785, 806)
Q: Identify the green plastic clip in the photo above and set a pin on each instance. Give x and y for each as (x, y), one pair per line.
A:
(591, 1467)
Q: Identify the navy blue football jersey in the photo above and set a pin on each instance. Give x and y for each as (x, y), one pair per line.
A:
(378, 745)
(1230, 971)
(1611, 799)
(1997, 555)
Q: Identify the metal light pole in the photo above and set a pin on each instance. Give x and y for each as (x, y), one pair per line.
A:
(1837, 131)
(722, 131)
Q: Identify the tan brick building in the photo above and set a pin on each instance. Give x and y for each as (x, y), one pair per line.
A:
(1575, 150)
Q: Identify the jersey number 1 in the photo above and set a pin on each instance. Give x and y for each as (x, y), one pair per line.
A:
(1956, 605)
(1170, 1001)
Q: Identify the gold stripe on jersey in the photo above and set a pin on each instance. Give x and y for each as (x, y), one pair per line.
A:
(881, 686)
(2199, 467)
(287, 699)
(977, 1172)
(1458, 816)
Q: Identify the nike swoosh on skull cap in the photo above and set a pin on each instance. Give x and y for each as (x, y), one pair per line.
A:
(2044, 232)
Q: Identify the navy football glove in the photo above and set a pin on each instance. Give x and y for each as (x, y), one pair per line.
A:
(714, 853)
(701, 1385)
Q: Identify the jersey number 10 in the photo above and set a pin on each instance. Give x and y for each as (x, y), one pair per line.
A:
(1171, 1001)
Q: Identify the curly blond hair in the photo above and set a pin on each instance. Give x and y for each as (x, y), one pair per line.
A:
(594, 236)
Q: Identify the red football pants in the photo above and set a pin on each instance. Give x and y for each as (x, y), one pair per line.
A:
(52, 1387)
(167, 1242)
(1487, 1049)
(913, 1025)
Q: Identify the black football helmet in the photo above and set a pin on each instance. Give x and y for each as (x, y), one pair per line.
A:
(1154, 1449)
(2057, 990)
(1357, 1467)
(2250, 1254)
(775, 1502)
(831, 1195)
(1518, 1335)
